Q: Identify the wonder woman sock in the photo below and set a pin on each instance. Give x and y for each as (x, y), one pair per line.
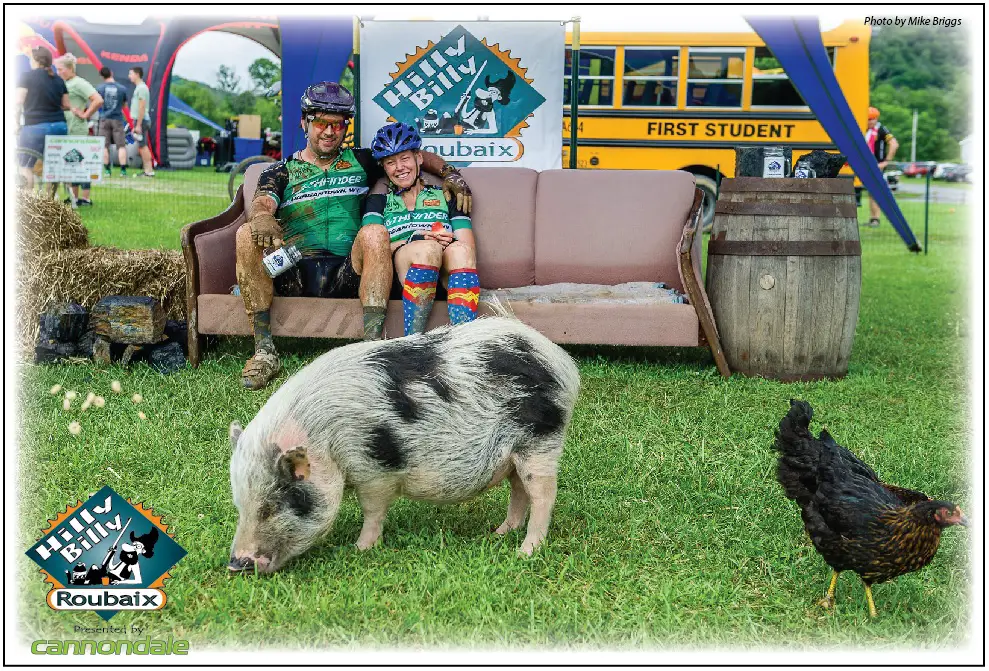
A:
(418, 292)
(462, 295)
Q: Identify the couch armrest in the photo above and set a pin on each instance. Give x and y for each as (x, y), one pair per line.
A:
(689, 253)
(188, 236)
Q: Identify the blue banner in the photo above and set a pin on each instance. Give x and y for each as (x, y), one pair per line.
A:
(796, 44)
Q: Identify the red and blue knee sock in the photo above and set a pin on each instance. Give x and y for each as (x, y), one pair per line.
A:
(418, 292)
(462, 295)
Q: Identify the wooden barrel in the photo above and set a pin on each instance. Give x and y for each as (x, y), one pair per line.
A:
(784, 276)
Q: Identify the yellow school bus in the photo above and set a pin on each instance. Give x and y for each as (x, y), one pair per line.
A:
(639, 107)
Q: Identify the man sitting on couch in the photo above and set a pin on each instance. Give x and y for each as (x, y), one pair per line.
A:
(314, 198)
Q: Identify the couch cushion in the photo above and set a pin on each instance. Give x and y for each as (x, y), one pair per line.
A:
(667, 324)
(503, 216)
(610, 226)
(251, 181)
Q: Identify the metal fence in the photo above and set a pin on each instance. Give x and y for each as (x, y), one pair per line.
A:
(937, 211)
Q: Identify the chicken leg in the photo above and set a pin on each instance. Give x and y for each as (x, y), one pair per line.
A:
(828, 600)
(868, 596)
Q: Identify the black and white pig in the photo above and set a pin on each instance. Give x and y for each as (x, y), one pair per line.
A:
(437, 417)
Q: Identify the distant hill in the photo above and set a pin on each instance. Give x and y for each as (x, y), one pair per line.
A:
(218, 106)
(927, 69)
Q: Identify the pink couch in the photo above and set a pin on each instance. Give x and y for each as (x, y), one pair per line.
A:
(595, 226)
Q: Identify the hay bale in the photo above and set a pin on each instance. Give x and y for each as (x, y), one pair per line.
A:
(47, 225)
(58, 265)
(87, 275)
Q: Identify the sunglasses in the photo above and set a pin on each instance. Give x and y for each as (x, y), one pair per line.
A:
(322, 124)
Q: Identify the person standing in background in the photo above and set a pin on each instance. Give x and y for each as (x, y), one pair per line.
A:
(42, 97)
(84, 100)
(112, 120)
(140, 112)
(883, 146)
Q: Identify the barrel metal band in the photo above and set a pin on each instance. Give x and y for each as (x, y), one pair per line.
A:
(776, 209)
(836, 185)
(785, 248)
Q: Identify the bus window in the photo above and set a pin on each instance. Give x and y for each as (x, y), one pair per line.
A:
(596, 77)
(651, 76)
(714, 77)
(771, 86)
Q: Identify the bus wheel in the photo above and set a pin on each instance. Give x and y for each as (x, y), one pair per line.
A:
(710, 191)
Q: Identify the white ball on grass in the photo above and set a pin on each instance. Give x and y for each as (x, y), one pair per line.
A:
(71, 395)
(137, 398)
(66, 404)
(116, 386)
(99, 401)
(54, 390)
(75, 428)
(141, 415)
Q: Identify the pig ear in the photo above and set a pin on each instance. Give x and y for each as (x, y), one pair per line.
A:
(294, 464)
(235, 430)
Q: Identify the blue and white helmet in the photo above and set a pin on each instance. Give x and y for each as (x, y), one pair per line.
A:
(394, 139)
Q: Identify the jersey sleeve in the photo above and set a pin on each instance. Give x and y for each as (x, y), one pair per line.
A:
(883, 134)
(374, 209)
(272, 182)
(458, 220)
(371, 167)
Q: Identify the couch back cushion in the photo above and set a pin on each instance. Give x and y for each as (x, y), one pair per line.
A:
(503, 219)
(611, 226)
(251, 182)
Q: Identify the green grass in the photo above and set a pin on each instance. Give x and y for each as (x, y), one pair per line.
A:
(139, 213)
(669, 528)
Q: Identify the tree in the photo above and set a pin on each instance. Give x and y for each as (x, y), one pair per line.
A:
(227, 79)
(928, 70)
(264, 73)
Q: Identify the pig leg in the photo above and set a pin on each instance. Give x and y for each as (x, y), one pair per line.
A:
(537, 472)
(518, 503)
(374, 500)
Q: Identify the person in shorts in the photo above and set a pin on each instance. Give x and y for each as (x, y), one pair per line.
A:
(431, 240)
(112, 120)
(42, 97)
(140, 112)
(84, 100)
(313, 200)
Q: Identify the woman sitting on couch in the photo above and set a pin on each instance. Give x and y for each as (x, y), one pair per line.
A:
(431, 240)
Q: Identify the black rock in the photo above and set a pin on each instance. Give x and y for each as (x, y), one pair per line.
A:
(749, 161)
(53, 352)
(167, 358)
(64, 323)
(824, 164)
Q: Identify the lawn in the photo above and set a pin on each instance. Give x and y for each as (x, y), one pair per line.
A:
(669, 528)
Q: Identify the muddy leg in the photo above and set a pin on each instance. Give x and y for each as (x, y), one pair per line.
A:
(374, 500)
(518, 503)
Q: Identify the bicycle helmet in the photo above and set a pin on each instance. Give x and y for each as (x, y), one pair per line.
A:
(394, 139)
(328, 97)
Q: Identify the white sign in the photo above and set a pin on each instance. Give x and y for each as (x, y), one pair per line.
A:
(73, 158)
(479, 92)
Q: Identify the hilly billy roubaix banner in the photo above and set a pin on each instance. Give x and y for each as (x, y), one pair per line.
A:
(480, 92)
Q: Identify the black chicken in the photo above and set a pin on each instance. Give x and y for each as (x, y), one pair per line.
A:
(856, 521)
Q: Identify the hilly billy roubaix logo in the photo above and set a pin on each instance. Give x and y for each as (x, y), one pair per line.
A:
(469, 100)
(106, 555)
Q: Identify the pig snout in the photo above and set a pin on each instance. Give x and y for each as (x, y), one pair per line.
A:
(248, 564)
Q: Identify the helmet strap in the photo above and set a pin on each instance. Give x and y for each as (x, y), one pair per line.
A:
(416, 181)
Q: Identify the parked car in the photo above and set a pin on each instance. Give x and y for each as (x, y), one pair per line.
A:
(917, 169)
(940, 169)
(958, 173)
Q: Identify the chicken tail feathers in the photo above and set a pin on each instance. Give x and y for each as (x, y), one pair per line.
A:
(799, 453)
